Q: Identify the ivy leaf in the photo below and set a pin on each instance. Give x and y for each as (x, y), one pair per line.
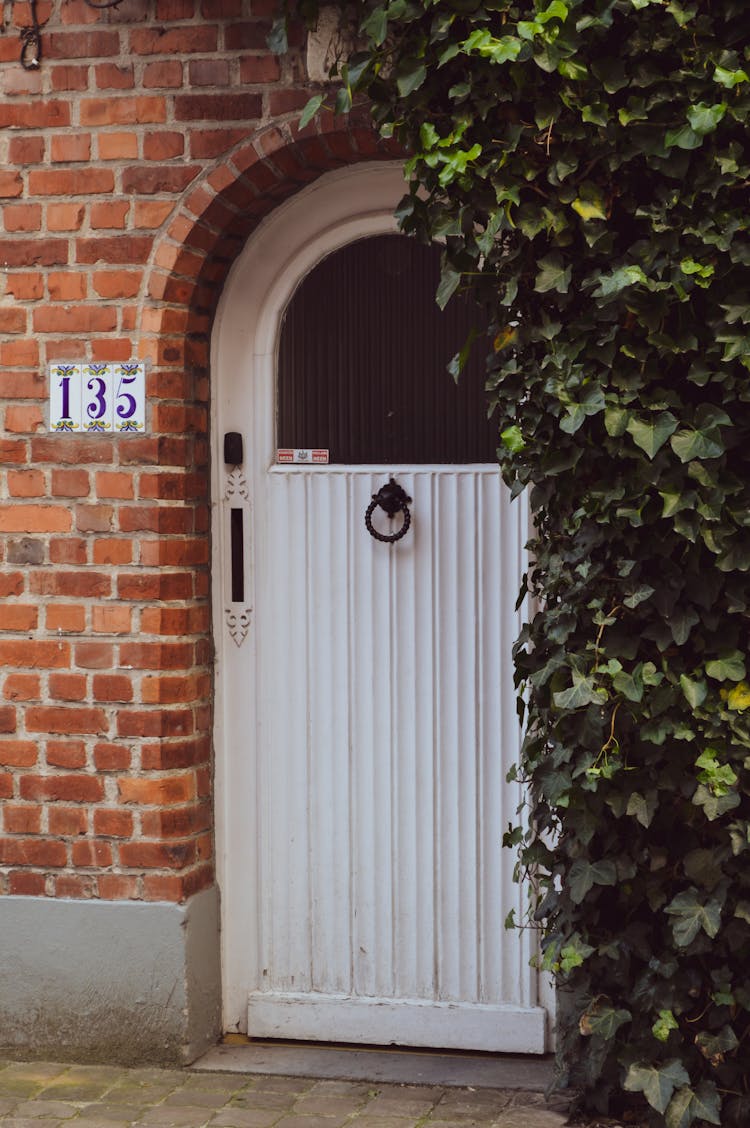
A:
(688, 1105)
(714, 1047)
(704, 119)
(730, 667)
(657, 1083)
(664, 1025)
(618, 280)
(411, 76)
(311, 110)
(688, 444)
(512, 439)
(581, 693)
(730, 79)
(602, 1020)
(553, 275)
(691, 915)
(375, 27)
(643, 808)
(651, 434)
(584, 875)
(450, 280)
(694, 691)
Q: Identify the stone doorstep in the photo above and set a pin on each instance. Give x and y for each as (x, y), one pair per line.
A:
(385, 1066)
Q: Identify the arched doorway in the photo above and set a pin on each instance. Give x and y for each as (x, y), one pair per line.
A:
(365, 712)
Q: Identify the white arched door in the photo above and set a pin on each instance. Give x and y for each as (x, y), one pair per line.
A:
(365, 708)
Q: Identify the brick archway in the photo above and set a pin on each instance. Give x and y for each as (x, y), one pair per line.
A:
(189, 264)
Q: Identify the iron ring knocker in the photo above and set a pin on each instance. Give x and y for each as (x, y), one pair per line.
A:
(392, 499)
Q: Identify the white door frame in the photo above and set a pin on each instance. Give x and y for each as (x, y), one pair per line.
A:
(339, 207)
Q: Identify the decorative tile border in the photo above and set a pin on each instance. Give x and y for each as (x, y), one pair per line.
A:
(97, 398)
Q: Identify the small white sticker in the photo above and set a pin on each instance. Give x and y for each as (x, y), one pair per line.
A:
(91, 398)
(302, 455)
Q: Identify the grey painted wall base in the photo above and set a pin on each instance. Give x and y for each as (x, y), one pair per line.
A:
(126, 982)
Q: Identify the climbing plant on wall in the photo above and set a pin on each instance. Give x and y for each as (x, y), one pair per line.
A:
(586, 164)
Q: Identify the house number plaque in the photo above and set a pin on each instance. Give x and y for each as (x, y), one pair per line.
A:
(97, 398)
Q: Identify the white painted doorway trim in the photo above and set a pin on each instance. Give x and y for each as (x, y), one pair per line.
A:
(336, 209)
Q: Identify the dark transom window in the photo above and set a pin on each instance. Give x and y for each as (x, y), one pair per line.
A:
(362, 361)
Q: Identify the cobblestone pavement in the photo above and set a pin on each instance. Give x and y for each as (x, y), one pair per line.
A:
(51, 1095)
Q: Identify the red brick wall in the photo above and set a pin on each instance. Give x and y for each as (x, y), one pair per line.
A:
(135, 162)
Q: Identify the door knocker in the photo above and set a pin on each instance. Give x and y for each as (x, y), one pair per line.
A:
(392, 499)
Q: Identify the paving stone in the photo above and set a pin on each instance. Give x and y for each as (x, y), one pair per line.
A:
(353, 1089)
(233, 1117)
(404, 1107)
(185, 1117)
(30, 1122)
(364, 1120)
(113, 1113)
(261, 1098)
(201, 1097)
(323, 1105)
(311, 1121)
(431, 1093)
(537, 1117)
(50, 1109)
(272, 1083)
(97, 1121)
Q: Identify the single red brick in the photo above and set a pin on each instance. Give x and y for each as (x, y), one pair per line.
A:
(18, 617)
(22, 217)
(113, 824)
(24, 883)
(70, 885)
(70, 788)
(26, 483)
(94, 655)
(110, 214)
(117, 887)
(67, 687)
(163, 146)
(70, 78)
(92, 854)
(113, 551)
(110, 76)
(70, 182)
(112, 687)
(22, 818)
(65, 617)
(174, 41)
(18, 753)
(66, 286)
(65, 753)
(111, 619)
(154, 855)
(67, 820)
(25, 151)
(34, 519)
(117, 146)
(65, 217)
(166, 74)
(71, 147)
(22, 687)
(32, 852)
(111, 757)
(57, 718)
(128, 110)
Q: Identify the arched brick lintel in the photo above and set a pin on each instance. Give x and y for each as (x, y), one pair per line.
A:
(191, 261)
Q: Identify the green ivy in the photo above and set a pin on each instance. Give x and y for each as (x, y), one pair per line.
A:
(586, 165)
